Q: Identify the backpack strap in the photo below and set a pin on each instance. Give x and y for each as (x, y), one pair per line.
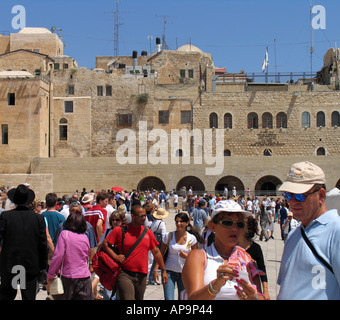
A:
(136, 243)
(326, 264)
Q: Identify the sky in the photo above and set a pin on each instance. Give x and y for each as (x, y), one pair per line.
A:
(235, 32)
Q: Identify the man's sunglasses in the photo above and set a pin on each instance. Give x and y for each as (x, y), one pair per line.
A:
(230, 223)
(299, 197)
(140, 215)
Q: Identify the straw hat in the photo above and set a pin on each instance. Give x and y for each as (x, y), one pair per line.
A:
(121, 208)
(87, 198)
(160, 214)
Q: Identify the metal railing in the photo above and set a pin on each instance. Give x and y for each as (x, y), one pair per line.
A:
(281, 77)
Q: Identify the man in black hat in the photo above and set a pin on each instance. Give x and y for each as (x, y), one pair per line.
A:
(24, 246)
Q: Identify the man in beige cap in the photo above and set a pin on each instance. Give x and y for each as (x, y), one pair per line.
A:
(310, 265)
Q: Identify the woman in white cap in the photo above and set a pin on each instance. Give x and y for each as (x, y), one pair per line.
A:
(223, 271)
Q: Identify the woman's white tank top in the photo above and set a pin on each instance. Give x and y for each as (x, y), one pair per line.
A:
(214, 260)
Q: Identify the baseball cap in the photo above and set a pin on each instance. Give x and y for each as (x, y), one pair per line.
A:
(229, 206)
(302, 177)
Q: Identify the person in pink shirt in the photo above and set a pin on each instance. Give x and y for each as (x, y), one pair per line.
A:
(70, 259)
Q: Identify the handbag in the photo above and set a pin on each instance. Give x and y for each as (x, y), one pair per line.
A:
(326, 264)
(56, 285)
(165, 253)
(106, 268)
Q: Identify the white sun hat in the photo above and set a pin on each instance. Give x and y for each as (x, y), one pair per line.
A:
(229, 206)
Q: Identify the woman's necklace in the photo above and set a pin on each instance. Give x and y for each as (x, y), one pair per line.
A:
(224, 256)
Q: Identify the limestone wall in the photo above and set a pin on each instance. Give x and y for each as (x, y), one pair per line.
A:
(293, 140)
(70, 174)
(27, 120)
(40, 183)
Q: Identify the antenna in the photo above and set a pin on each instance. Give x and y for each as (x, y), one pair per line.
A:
(311, 38)
(116, 28)
(275, 66)
(164, 45)
(59, 32)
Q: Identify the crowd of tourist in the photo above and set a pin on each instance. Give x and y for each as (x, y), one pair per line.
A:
(66, 237)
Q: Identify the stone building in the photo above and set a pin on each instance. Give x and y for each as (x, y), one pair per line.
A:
(164, 120)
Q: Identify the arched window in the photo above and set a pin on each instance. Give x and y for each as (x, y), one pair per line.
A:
(253, 121)
(267, 121)
(63, 129)
(335, 119)
(227, 153)
(321, 152)
(213, 120)
(267, 153)
(306, 120)
(281, 120)
(228, 121)
(179, 153)
(320, 119)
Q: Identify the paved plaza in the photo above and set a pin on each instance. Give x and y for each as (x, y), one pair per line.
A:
(272, 251)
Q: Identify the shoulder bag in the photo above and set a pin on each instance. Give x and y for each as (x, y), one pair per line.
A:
(107, 268)
(165, 253)
(56, 285)
(325, 263)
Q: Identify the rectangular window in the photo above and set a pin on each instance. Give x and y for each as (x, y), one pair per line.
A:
(182, 73)
(100, 91)
(70, 89)
(191, 73)
(63, 132)
(68, 105)
(125, 120)
(185, 116)
(163, 116)
(65, 65)
(108, 91)
(11, 99)
(4, 134)
(56, 66)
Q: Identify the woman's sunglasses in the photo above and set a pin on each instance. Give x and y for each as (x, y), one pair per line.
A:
(299, 197)
(230, 223)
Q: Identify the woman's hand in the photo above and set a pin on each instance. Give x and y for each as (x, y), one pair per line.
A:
(49, 280)
(156, 276)
(182, 254)
(224, 273)
(247, 291)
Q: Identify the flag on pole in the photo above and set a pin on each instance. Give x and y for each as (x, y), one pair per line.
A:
(265, 61)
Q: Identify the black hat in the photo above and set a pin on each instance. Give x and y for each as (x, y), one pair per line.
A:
(21, 195)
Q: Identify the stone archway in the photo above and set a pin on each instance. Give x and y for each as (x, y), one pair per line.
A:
(230, 182)
(191, 181)
(149, 183)
(267, 185)
(338, 184)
